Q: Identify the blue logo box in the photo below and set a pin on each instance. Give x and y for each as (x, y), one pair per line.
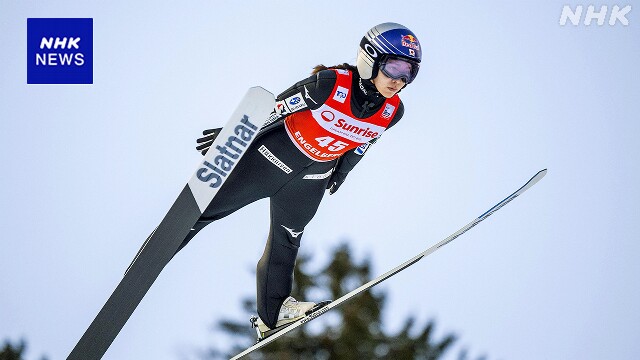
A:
(59, 51)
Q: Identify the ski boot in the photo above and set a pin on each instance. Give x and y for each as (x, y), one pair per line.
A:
(290, 311)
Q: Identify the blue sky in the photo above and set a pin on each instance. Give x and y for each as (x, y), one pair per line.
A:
(504, 91)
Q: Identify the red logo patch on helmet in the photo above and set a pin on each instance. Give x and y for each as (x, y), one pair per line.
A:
(410, 41)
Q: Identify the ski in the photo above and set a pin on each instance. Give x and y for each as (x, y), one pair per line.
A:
(161, 245)
(322, 310)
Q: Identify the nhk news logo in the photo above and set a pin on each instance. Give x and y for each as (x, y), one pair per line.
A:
(617, 14)
(59, 51)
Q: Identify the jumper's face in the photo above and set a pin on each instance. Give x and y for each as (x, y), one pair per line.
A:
(386, 85)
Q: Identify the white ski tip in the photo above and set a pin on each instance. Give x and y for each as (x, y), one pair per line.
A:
(260, 89)
(536, 178)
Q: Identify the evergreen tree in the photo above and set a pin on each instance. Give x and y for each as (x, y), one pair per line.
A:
(12, 352)
(352, 331)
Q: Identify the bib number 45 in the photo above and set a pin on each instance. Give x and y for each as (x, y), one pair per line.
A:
(330, 143)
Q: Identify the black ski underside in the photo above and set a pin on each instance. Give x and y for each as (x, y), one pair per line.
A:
(143, 272)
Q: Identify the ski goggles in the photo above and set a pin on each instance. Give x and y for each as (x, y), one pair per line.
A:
(400, 69)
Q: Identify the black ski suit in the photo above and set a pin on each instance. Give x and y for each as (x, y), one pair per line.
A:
(293, 182)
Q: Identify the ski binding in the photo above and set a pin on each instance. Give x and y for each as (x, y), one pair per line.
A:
(266, 334)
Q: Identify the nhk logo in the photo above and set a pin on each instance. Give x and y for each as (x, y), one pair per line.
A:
(59, 51)
(53, 58)
(616, 14)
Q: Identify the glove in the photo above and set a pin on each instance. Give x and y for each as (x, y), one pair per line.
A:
(337, 178)
(204, 143)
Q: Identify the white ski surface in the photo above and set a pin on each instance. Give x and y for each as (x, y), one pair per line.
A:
(230, 145)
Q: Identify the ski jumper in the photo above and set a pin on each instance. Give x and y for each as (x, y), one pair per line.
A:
(325, 124)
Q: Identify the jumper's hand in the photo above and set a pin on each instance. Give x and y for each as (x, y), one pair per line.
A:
(337, 178)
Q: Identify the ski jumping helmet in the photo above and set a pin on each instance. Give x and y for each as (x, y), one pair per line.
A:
(388, 40)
